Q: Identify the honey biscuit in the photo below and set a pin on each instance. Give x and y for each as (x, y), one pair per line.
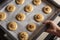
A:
(20, 1)
(10, 8)
(23, 36)
(2, 16)
(20, 17)
(12, 26)
(31, 27)
(28, 8)
(39, 17)
(36, 2)
(47, 9)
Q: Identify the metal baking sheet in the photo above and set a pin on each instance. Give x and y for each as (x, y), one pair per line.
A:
(29, 17)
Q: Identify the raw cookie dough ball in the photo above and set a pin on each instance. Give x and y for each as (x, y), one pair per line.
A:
(20, 1)
(20, 17)
(47, 9)
(36, 2)
(12, 26)
(31, 27)
(28, 8)
(39, 17)
(23, 36)
(10, 8)
(2, 16)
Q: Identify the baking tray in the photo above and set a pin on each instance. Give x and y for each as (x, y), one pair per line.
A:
(29, 18)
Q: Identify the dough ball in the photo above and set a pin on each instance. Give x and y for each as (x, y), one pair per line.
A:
(20, 17)
(12, 26)
(39, 17)
(28, 8)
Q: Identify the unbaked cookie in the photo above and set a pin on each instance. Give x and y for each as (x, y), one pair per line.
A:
(20, 17)
(39, 17)
(47, 9)
(20, 1)
(2, 16)
(12, 26)
(31, 27)
(36, 2)
(28, 8)
(10, 8)
(23, 36)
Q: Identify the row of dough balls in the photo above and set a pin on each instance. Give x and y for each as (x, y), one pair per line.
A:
(22, 35)
(12, 26)
(29, 8)
(22, 17)
(37, 17)
(35, 2)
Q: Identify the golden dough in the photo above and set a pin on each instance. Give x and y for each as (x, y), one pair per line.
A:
(23, 36)
(31, 27)
(2, 16)
(20, 17)
(28, 8)
(36, 2)
(20, 1)
(39, 17)
(12, 26)
(47, 9)
(10, 8)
